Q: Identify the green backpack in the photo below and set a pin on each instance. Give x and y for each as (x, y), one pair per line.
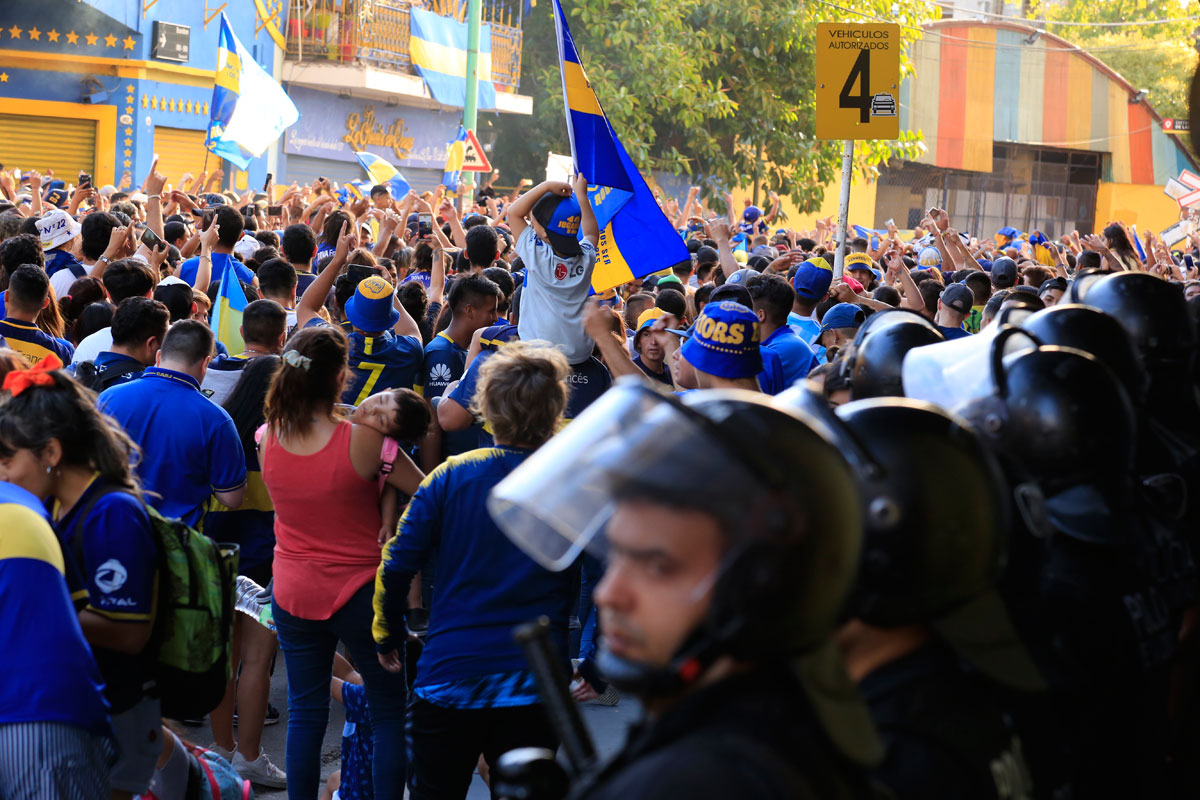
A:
(191, 645)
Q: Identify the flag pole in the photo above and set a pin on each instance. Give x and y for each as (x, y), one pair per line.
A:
(471, 110)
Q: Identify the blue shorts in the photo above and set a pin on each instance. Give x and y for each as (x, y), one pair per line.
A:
(51, 760)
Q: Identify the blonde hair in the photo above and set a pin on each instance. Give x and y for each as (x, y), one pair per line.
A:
(522, 392)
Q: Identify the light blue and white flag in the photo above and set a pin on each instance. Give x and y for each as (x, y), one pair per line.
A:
(250, 110)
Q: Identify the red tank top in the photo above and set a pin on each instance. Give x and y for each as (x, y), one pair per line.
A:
(326, 526)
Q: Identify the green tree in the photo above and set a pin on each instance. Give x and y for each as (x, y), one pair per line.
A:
(1158, 58)
(721, 90)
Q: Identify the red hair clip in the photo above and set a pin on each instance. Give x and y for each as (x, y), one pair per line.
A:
(19, 380)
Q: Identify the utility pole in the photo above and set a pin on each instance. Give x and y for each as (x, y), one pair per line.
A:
(470, 109)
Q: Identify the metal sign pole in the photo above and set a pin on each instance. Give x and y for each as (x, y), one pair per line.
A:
(844, 208)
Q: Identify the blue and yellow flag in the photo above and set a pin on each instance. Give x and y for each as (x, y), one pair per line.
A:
(249, 108)
(455, 153)
(379, 170)
(227, 311)
(438, 49)
(636, 238)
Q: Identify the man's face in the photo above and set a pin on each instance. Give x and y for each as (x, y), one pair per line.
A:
(683, 373)
(649, 347)
(484, 314)
(657, 585)
(1191, 291)
(382, 200)
(1051, 297)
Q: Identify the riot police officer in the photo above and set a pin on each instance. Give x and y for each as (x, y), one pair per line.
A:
(716, 606)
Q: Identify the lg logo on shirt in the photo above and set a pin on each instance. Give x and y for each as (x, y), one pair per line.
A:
(111, 576)
(560, 271)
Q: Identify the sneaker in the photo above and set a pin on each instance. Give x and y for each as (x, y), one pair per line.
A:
(608, 698)
(260, 771)
(221, 751)
(271, 718)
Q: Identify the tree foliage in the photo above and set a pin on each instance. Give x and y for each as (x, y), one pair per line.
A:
(1158, 58)
(718, 90)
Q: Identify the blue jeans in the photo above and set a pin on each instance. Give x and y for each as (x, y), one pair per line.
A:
(592, 571)
(308, 647)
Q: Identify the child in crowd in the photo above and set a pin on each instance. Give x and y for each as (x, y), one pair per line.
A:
(353, 780)
(402, 416)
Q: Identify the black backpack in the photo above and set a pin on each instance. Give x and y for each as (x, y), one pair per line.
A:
(87, 374)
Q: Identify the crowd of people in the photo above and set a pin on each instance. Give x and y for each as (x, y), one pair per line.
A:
(924, 527)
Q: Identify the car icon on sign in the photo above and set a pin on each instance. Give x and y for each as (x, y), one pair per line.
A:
(883, 105)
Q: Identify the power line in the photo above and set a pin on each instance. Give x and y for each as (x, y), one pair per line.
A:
(1139, 23)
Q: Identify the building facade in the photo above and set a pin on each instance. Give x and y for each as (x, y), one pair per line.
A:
(105, 86)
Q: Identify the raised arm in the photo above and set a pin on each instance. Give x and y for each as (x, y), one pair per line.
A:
(587, 221)
(314, 296)
(720, 233)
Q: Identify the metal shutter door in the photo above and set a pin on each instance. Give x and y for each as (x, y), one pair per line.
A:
(181, 151)
(66, 146)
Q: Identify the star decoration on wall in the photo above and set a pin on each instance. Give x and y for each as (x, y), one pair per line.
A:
(189, 106)
(91, 39)
(129, 88)
(129, 142)
(171, 106)
(129, 131)
(35, 34)
(154, 103)
(145, 101)
(14, 32)
(3, 77)
(72, 37)
(110, 41)
(127, 162)
(128, 42)
(52, 35)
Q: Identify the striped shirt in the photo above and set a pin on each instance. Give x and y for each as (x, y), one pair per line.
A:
(32, 342)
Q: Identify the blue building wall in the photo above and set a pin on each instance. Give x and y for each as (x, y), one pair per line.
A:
(62, 50)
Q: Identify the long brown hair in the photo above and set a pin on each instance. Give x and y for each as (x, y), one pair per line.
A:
(310, 385)
(67, 412)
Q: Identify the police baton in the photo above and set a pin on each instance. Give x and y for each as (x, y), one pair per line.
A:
(553, 682)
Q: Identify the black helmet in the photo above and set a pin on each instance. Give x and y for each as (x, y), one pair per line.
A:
(1082, 281)
(1062, 414)
(1092, 331)
(936, 512)
(1154, 313)
(787, 499)
(879, 349)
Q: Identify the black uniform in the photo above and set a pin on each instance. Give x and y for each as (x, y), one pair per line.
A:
(946, 735)
(749, 736)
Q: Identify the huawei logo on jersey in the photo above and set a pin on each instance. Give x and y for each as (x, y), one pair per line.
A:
(560, 271)
(440, 373)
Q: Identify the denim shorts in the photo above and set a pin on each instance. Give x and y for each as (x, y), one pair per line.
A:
(51, 760)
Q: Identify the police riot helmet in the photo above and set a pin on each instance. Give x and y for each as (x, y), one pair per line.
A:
(1061, 413)
(1092, 331)
(936, 511)
(879, 349)
(787, 501)
(1154, 313)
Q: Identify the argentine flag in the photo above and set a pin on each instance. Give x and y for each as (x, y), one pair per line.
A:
(249, 108)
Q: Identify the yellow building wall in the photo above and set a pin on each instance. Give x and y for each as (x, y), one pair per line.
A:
(862, 205)
(1135, 204)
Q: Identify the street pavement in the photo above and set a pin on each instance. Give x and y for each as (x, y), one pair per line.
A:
(606, 723)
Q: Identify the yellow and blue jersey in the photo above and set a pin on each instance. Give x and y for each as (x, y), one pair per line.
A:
(32, 342)
(112, 556)
(493, 586)
(382, 362)
(49, 674)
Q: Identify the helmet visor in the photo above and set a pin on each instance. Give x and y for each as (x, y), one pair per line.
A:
(631, 440)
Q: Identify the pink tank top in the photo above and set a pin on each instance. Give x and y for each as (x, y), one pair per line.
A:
(326, 526)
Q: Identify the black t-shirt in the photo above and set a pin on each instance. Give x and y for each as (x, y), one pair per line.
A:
(750, 736)
(945, 732)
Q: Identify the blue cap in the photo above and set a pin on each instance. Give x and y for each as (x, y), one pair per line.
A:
(741, 276)
(370, 308)
(724, 341)
(984, 264)
(751, 213)
(812, 279)
(843, 315)
(560, 217)
(55, 193)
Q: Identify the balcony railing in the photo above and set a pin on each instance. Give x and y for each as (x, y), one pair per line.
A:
(376, 32)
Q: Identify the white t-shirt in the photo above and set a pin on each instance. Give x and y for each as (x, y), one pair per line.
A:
(556, 291)
(61, 282)
(93, 345)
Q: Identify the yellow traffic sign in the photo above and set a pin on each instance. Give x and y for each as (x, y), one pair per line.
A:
(858, 81)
